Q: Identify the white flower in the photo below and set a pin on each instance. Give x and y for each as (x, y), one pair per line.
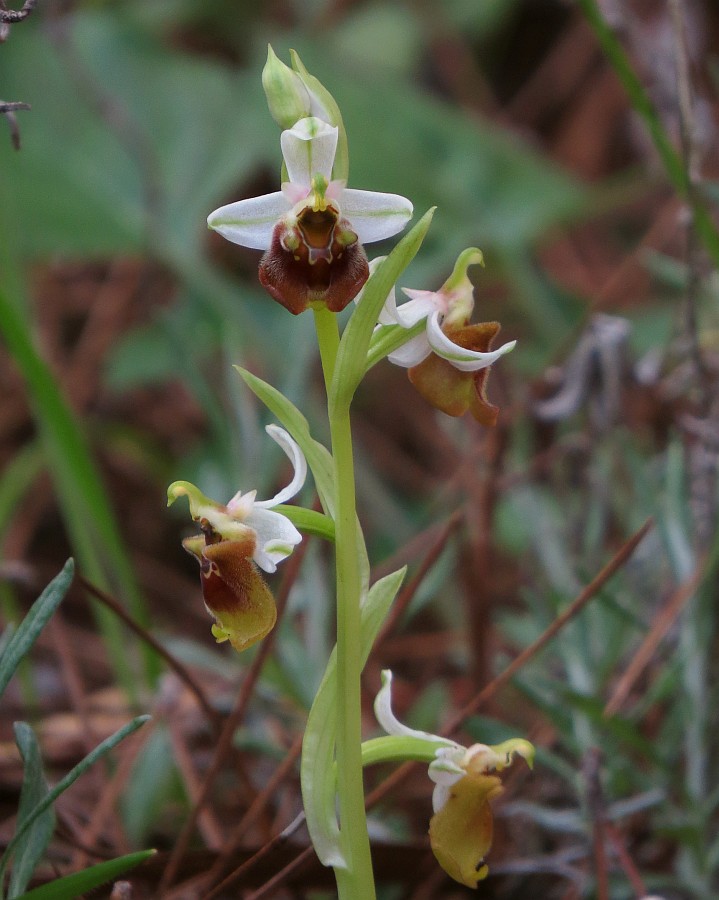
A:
(244, 517)
(445, 310)
(308, 150)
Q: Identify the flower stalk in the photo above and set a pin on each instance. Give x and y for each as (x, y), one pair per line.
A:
(356, 881)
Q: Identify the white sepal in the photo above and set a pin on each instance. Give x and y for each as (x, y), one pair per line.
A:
(459, 357)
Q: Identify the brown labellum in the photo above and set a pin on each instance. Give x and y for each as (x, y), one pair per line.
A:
(314, 260)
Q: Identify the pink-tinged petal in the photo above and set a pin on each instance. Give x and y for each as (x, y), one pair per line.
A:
(415, 351)
(250, 222)
(294, 192)
(299, 464)
(309, 149)
(462, 359)
(422, 306)
(431, 301)
(375, 216)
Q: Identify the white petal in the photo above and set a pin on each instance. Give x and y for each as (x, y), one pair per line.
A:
(464, 360)
(296, 457)
(375, 216)
(412, 353)
(276, 537)
(241, 505)
(309, 149)
(250, 222)
(388, 721)
(422, 305)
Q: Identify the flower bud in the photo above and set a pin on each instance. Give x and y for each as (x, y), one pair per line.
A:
(324, 106)
(287, 96)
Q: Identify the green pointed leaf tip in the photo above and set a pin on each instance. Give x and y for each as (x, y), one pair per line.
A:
(71, 886)
(317, 773)
(354, 346)
(33, 623)
(317, 455)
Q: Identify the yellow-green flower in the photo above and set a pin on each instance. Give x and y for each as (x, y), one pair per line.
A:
(460, 830)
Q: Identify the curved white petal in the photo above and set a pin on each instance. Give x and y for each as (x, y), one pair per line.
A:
(250, 222)
(296, 457)
(388, 721)
(464, 360)
(375, 216)
(412, 353)
(309, 149)
(423, 304)
(276, 537)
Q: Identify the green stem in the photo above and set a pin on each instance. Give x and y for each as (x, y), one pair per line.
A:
(357, 881)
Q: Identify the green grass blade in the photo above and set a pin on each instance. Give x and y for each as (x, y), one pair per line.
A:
(673, 163)
(84, 502)
(34, 790)
(72, 886)
(33, 623)
(64, 784)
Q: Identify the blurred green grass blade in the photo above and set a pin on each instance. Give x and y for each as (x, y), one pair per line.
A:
(318, 748)
(72, 886)
(675, 167)
(34, 789)
(17, 478)
(64, 784)
(84, 502)
(33, 623)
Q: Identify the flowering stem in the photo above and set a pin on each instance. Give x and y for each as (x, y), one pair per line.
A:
(357, 881)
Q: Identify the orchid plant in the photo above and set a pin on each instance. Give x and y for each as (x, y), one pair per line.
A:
(313, 231)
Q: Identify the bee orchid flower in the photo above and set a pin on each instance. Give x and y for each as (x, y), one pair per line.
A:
(313, 228)
(466, 781)
(448, 363)
(236, 539)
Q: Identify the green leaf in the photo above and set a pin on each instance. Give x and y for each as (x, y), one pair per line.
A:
(33, 623)
(352, 354)
(318, 457)
(72, 886)
(318, 748)
(64, 784)
(34, 789)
